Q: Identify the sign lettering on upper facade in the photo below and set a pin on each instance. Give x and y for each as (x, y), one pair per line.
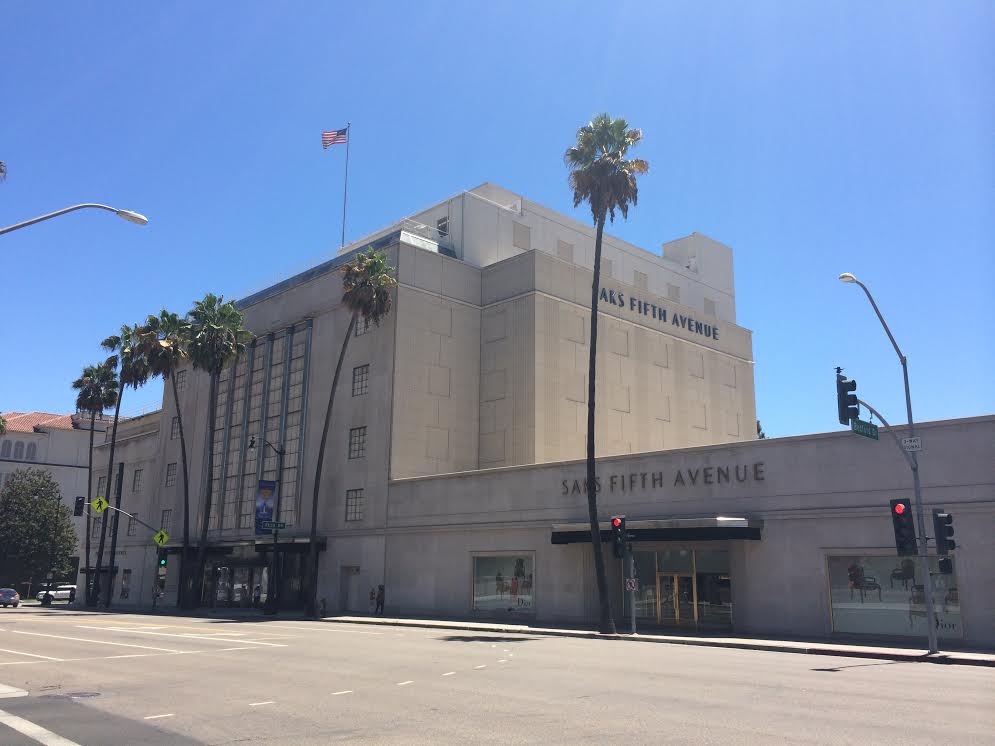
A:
(704, 475)
(653, 311)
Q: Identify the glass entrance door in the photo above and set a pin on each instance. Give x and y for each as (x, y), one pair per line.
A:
(676, 602)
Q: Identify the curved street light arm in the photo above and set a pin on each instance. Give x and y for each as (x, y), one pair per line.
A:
(126, 214)
(881, 319)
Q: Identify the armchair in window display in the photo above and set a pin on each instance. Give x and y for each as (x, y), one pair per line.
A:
(917, 603)
(860, 582)
(905, 572)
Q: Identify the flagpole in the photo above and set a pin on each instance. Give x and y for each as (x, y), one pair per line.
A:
(345, 190)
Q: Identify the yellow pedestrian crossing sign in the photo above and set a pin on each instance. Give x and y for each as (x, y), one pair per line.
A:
(100, 504)
(161, 538)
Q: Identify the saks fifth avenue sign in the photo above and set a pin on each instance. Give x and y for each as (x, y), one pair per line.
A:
(653, 480)
(644, 308)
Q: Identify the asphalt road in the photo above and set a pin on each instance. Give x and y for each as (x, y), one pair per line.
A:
(109, 679)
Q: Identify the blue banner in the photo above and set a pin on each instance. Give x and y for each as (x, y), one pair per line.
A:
(265, 500)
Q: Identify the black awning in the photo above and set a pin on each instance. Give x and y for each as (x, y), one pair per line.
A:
(686, 529)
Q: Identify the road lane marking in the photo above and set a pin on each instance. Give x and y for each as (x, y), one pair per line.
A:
(404, 683)
(223, 650)
(33, 730)
(98, 642)
(11, 691)
(449, 673)
(344, 691)
(322, 629)
(30, 655)
(479, 667)
(156, 717)
(259, 704)
(502, 661)
(192, 637)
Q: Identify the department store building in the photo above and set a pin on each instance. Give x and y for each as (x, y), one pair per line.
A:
(454, 471)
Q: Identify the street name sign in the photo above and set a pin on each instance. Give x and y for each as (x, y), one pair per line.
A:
(912, 444)
(160, 538)
(100, 504)
(274, 525)
(867, 429)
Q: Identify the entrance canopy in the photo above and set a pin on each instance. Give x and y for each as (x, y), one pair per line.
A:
(719, 528)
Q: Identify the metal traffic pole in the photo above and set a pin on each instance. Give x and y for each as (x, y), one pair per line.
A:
(630, 563)
(927, 582)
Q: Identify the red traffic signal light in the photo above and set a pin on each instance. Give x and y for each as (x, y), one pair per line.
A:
(616, 522)
(900, 508)
(904, 526)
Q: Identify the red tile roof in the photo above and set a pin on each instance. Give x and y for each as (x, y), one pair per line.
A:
(26, 422)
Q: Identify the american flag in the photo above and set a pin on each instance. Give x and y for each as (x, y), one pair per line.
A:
(334, 137)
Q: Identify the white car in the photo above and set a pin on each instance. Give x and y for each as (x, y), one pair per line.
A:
(60, 593)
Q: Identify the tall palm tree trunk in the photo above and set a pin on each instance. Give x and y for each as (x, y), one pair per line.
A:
(198, 583)
(117, 521)
(182, 596)
(606, 625)
(312, 596)
(103, 523)
(89, 497)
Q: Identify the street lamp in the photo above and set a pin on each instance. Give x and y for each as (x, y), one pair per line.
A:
(131, 217)
(271, 591)
(927, 582)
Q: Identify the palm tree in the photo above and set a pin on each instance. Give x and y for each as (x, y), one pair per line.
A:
(164, 339)
(601, 175)
(133, 372)
(367, 282)
(97, 389)
(216, 338)
(3, 176)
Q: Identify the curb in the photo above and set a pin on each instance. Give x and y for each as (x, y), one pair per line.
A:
(813, 649)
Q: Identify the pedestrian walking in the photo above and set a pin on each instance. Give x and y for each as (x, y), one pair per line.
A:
(373, 599)
(380, 597)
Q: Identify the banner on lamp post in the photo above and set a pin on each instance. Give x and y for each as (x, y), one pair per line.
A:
(265, 500)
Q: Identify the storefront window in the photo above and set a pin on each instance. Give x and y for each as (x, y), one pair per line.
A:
(884, 595)
(504, 583)
(714, 588)
(645, 563)
(674, 560)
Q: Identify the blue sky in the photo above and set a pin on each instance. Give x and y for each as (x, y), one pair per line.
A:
(813, 140)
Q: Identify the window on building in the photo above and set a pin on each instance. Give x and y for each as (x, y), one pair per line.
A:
(136, 480)
(5, 449)
(181, 381)
(504, 582)
(360, 380)
(709, 306)
(442, 226)
(132, 524)
(95, 528)
(101, 485)
(673, 293)
(884, 595)
(32, 453)
(354, 505)
(174, 429)
(171, 474)
(640, 279)
(19, 451)
(607, 268)
(166, 522)
(357, 442)
(362, 326)
(522, 236)
(125, 583)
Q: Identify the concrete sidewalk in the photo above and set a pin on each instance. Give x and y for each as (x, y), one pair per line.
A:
(959, 657)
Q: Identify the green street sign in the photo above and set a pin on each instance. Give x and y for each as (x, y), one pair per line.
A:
(864, 428)
(274, 525)
(100, 504)
(161, 538)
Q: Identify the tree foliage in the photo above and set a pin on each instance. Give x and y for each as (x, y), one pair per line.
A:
(36, 533)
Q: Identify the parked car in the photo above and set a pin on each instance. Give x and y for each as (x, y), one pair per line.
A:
(59, 593)
(9, 597)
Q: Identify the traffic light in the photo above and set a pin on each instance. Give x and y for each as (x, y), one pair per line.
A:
(162, 560)
(943, 529)
(618, 536)
(945, 565)
(80, 504)
(846, 402)
(904, 525)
